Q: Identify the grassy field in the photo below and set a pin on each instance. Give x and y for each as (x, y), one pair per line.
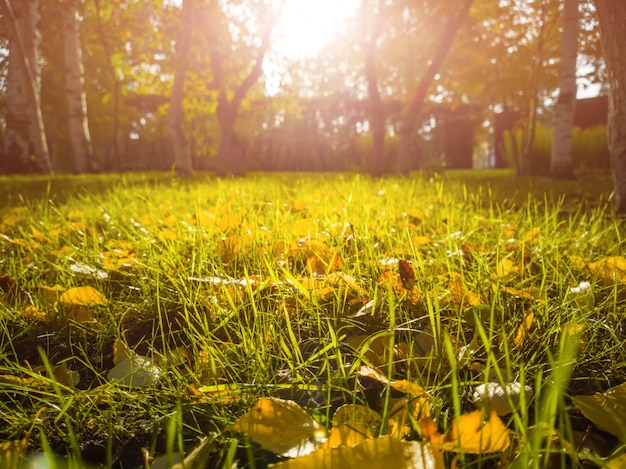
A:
(145, 319)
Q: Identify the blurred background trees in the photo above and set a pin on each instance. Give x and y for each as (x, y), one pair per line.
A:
(394, 86)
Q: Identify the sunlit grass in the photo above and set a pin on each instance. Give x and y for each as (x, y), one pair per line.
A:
(212, 280)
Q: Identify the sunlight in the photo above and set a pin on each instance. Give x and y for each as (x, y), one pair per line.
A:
(306, 25)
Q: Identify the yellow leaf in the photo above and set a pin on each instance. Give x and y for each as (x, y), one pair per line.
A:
(406, 411)
(65, 251)
(346, 435)
(607, 410)
(305, 227)
(528, 294)
(374, 350)
(506, 267)
(522, 331)
(533, 236)
(379, 453)
(35, 314)
(228, 223)
(577, 262)
(167, 234)
(121, 351)
(469, 434)
(461, 297)
(422, 240)
(616, 463)
(83, 296)
(609, 269)
(402, 385)
(39, 236)
(12, 453)
(280, 426)
(65, 376)
(229, 248)
(352, 424)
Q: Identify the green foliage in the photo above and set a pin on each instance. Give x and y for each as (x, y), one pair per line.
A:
(590, 149)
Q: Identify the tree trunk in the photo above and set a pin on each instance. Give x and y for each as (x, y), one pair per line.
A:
(75, 88)
(25, 143)
(561, 161)
(113, 148)
(182, 154)
(227, 111)
(405, 163)
(226, 117)
(377, 117)
(612, 14)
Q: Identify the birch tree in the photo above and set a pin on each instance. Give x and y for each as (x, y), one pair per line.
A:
(612, 15)
(561, 161)
(80, 138)
(25, 146)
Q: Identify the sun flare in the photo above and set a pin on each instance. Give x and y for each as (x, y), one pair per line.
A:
(306, 25)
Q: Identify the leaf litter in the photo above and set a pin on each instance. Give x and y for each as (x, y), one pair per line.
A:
(367, 322)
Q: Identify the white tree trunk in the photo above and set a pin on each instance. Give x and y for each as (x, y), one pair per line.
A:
(25, 143)
(612, 14)
(561, 161)
(182, 155)
(75, 89)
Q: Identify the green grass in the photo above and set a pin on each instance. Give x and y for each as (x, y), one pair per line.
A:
(211, 280)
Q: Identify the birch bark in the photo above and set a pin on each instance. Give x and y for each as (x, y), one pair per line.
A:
(25, 146)
(561, 161)
(80, 138)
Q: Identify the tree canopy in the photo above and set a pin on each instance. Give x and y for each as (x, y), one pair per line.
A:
(281, 84)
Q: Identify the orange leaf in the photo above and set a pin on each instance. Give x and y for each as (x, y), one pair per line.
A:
(82, 296)
(610, 269)
(469, 434)
(522, 332)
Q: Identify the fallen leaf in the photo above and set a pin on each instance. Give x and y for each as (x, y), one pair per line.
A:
(606, 410)
(132, 369)
(280, 426)
(616, 463)
(469, 434)
(609, 269)
(506, 268)
(533, 236)
(35, 314)
(82, 296)
(351, 425)
(407, 274)
(412, 389)
(379, 453)
(12, 453)
(522, 331)
(87, 271)
(405, 412)
(502, 399)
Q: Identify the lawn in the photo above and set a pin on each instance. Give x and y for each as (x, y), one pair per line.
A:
(469, 319)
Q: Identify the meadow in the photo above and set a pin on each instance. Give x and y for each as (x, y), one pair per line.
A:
(311, 320)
